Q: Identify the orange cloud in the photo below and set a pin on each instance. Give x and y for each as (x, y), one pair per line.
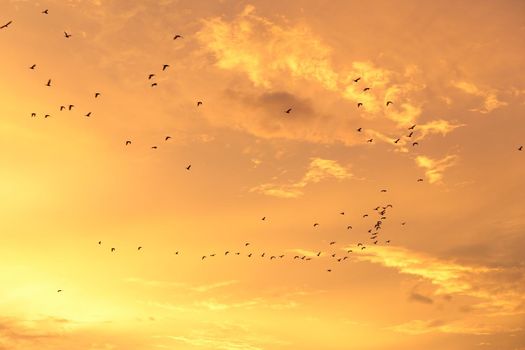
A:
(318, 170)
(490, 98)
(434, 168)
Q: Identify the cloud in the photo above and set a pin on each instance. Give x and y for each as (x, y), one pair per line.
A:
(200, 289)
(416, 327)
(496, 291)
(490, 99)
(434, 168)
(420, 298)
(288, 66)
(318, 170)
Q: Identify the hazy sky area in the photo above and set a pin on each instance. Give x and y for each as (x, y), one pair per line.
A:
(230, 258)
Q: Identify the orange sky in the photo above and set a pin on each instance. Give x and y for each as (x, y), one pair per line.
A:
(452, 277)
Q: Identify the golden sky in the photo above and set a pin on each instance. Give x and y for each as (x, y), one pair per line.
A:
(448, 268)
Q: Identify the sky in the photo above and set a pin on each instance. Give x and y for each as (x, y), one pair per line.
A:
(289, 230)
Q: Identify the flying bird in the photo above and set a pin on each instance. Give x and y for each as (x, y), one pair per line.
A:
(357, 79)
(383, 190)
(154, 147)
(112, 249)
(151, 76)
(62, 108)
(47, 115)
(412, 127)
(6, 25)
(199, 103)
(389, 103)
(359, 244)
(45, 12)
(33, 66)
(128, 142)
(520, 148)
(154, 84)
(359, 104)
(403, 223)
(88, 114)
(167, 138)
(366, 89)
(318, 254)
(419, 180)
(164, 67)
(263, 218)
(70, 107)
(48, 82)
(246, 244)
(396, 141)
(348, 227)
(188, 167)
(288, 110)
(332, 243)
(329, 270)
(97, 94)
(58, 291)
(411, 133)
(67, 35)
(99, 242)
(342, 213)
(316, 224)
(415, 143)
(359, 129)
(33, 114)
(139, 248)
(365, 215)
(370, 140)
(177, 37)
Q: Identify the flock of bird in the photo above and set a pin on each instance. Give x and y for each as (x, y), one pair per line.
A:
(373, 232)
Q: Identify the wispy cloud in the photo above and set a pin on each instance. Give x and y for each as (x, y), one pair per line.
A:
(434, 168)
(489, 96)
(318, 170)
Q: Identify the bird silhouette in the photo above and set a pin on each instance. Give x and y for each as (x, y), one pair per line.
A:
(329, 270)
(199, 103)
(70, 107)
(366, 89)
(48, 82)
(62, 108)
(348, 227)
(383, 190)
(520, 148)
(396, 141)
(154, 84)
(6, 25)
(359, 129)
(359, 244)
(370, 140)
(188, 167)
(288, 111)
(412, 127)
(363, 248)
(342, 213)
(316, 224)
(45, 12)
(58, 291)
(403, 223)
(33, 66)
(357, 79)
(319, 254)
(167, 138)
(154, 147)
(263, 218)
(246, 244)
(88, 114)
(203, 257)
(46, 115)
(151, 76)
(165, 66)
(388, 241)
(112, 249)
(332, 243)
(128, 142)
(415, 143)
(177, 37)
(419, 180)
(389, 103)
(365, 215)
(97, 94)
(359, 104)
(33, 114)
(139, 248)
(99, 242)
(67, 35)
